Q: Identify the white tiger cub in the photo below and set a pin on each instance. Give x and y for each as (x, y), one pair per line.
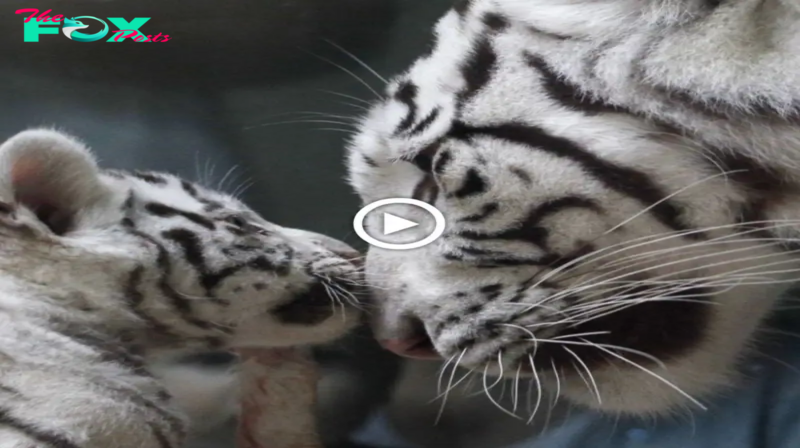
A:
(620, 182)
(100, 270)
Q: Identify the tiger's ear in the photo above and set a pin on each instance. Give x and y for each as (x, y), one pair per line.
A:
(50, 173)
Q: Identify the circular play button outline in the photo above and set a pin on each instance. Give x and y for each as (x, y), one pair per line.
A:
(358, 224)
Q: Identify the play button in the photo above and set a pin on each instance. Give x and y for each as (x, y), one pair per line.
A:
(393, 224)
(404, 223)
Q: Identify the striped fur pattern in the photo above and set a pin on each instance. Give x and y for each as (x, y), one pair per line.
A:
(619, 179)
(103, 271)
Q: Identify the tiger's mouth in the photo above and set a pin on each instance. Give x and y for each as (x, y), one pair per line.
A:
(644, 333)
(320, 302)
(417, 345)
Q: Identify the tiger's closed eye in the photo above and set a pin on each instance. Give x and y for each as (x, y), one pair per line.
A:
(237, 221)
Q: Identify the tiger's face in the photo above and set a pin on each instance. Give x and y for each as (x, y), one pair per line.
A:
(585, 248)
(150, 251)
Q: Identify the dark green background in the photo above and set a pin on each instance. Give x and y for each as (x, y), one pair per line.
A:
(193, 101)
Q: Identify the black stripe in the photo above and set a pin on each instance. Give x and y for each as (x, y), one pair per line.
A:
(502, 262)
(530, 229)
(117, 174)
(44, 436)
(624, 180)
(193, 253)
(491, 292)
(425, 123)
(763, 186)
(191, 246)
(753, 176)
(477, 69)
(127, 206)
(150, 177)
(179, 303)
(475, 309)
(427, 190)
(554, 206)
(211, 280)
(165, 211)
(535, 235)
(209, 205)
(135, 298)
(523, 287)
(472, 185)
(108, 349)
(441, 161)
(192, 249)
(10, 390)
(266, 265)
(369, 161)
(452, 319)
(522, 175)
(486, 211)
(495, 22)
(475, 251)
(190, 189)
(424, 158)
(406, 94)
(550, 34)
(238, 231)
(566, 93)
(127, 393)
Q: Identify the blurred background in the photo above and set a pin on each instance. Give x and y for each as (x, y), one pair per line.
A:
(255, 96)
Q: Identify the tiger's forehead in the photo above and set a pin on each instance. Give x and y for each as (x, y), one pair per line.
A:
(169, 188)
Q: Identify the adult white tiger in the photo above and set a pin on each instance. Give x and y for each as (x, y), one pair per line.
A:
(620, 183)
(100, 270)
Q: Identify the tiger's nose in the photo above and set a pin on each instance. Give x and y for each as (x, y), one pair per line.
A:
(414, 342)
(415, 348)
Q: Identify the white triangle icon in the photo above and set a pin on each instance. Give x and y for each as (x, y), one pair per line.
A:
(393, 224)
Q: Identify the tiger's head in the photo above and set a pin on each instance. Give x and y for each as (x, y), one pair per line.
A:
(602, 255)
(177, 263)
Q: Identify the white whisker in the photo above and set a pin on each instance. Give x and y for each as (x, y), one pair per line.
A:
(656, 376)
(538, 389)
(349, 72)
(488, 394)
(588, 372)
(359, 61)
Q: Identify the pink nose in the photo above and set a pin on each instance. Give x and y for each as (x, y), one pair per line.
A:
(416, 348)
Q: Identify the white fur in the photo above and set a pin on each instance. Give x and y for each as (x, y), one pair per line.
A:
(87, 264)
(742, 55)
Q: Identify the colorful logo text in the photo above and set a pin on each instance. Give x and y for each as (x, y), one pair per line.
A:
(39, 23)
